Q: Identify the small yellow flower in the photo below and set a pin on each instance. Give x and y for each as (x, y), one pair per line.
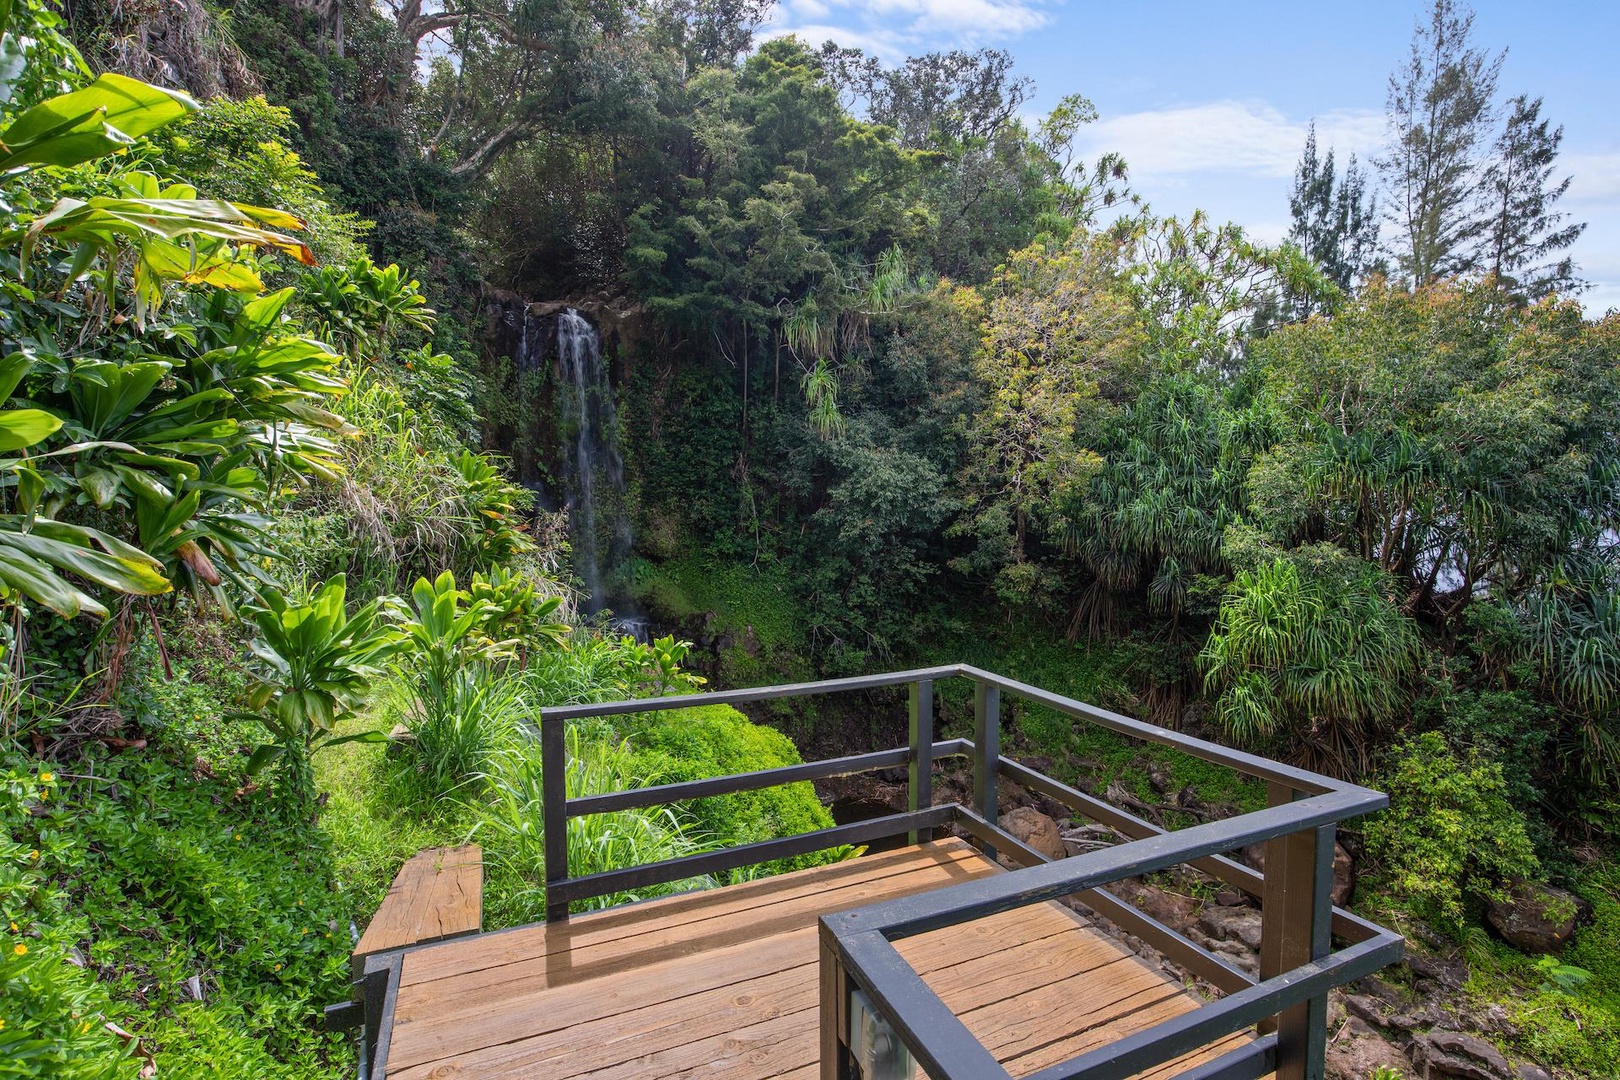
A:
(34, 854)
(278, 967)
(47, 778)
(238, 836)
(20, 949)
(84, 1027)
(13, 928)
(300, 903)
(2, 1025)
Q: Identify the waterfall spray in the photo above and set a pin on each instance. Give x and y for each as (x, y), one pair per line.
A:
(594, 466)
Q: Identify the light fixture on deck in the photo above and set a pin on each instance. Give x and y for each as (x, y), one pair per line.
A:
(874, 1046)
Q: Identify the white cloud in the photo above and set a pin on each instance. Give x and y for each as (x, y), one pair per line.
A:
(894, 29)
(879, 43)
(1228, 136)
(1596, 177)
(991, 18)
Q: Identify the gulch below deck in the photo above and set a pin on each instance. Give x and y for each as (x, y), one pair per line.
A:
(723, 984)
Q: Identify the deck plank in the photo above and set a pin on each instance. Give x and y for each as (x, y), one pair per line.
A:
(438, 893)
(724, 985)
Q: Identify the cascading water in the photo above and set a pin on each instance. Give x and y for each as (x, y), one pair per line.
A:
(594, 468)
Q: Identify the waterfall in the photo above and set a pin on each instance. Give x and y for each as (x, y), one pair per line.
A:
(593, 466)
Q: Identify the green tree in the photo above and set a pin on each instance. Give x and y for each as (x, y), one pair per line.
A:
(1335, 218)
(1310, 647)
(1526, 233)
(1058, 322)
(1440, 111)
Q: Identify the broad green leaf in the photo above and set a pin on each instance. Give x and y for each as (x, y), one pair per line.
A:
(91, 122)
(140, 577)
(12, 370)
(42, 585)
(25, 427)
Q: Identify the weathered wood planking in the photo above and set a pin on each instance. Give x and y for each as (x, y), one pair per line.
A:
(437, 894)
(724, 984)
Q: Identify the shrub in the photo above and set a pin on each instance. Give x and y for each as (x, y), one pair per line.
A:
(1451, 834)
(717, 740)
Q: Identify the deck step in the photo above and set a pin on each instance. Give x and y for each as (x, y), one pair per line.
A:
(437, 894)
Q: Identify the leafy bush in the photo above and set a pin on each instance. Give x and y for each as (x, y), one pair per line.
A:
(315, 661)
(717, 740)
(454, 745)
(1451, 834)
(1311, 646)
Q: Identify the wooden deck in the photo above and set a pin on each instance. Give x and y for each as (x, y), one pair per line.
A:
(723, 984)
(437, 894)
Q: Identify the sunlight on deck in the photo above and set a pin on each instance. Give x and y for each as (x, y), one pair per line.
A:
(724, 985)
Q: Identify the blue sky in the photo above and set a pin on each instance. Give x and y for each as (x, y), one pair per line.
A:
(1209, 102)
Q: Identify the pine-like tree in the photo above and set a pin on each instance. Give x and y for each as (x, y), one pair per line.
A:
(1526, 234)
(1335, 219)
(1440, 114)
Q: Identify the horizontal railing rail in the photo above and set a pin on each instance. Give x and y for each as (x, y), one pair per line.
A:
(1287, 1002)
(857, 951)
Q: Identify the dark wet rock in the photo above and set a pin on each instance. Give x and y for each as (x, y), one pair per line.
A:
(1367, 1008)
(1537, 918)
(1455, 1053)
(1448, 973)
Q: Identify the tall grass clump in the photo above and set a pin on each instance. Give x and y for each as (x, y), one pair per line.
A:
(462, 692)
(511, 826)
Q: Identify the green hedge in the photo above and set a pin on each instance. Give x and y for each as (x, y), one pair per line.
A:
(717, 740)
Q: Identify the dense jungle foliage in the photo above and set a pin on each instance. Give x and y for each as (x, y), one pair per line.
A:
(898, 378)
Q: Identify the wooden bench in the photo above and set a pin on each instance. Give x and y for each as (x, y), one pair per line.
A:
(437, 894)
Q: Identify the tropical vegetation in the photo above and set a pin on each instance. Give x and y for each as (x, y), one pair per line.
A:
(295, 536)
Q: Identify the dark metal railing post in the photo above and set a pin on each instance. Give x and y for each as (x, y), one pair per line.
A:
(986, 752)
(554, 793)
(835, 987)
(1296, 928)
(920, 789)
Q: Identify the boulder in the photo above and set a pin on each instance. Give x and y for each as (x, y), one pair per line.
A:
(1231, 924)
(1356, 1052)
(1528, 1071)
(1537, 918)
(1035, 829)
(1453, 1053)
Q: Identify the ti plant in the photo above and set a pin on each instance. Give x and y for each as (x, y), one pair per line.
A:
(314, 663)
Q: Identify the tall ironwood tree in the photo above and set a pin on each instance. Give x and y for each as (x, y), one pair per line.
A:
(1335, 217)
(1526, 234)
(1440, 113)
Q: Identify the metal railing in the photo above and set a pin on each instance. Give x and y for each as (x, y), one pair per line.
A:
(1298, 965)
